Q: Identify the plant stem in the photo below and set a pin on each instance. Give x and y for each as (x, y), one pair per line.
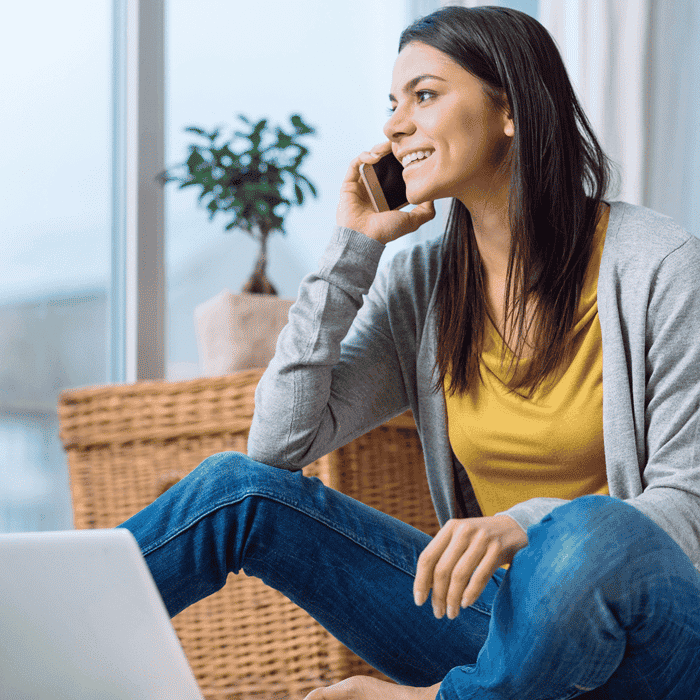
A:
(258, 282)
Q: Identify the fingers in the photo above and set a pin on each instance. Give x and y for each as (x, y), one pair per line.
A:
(421, 214)
(461, 559)
(345, 690)
(356, 211)
(465, 592)
(381, 148)
(454, 569)
(317, 694)
(371, 156)
(426, 563)
(365, 688)
(352, 176)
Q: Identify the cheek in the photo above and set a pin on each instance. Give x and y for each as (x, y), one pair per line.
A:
(465, 138)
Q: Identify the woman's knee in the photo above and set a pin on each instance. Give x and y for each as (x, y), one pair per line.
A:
(224, 465)
(230, 474)
(593, 543)
(597, 531)
(219, 473)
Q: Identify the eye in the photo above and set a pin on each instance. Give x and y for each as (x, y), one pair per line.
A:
(421, 96)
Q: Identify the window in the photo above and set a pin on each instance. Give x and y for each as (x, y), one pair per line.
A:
(55, 226)
(332, 63)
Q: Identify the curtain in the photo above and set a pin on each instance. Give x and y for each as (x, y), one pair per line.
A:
(635, 65)
(672, 173)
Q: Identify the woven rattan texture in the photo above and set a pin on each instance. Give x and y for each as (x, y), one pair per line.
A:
(128, 443)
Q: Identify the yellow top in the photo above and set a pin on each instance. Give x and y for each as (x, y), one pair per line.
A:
(514, 448)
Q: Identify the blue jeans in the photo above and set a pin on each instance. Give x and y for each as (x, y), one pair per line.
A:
(602, 603)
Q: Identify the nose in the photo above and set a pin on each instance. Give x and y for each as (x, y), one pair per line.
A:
(399, 124)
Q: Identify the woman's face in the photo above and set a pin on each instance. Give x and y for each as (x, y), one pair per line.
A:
(441, 111)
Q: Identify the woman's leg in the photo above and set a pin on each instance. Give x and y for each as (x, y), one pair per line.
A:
(602, 603)
(350, 566)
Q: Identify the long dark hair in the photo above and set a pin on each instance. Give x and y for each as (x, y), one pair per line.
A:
(559, 178)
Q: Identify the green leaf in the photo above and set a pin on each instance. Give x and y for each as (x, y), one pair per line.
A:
(204, 193)
(277, 223)
(308, 183)
(299, 194)
(284, 141)
(300, 126)
(195, 159)
(255, 140)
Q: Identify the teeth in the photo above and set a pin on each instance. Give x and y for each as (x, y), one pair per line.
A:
(416, 155)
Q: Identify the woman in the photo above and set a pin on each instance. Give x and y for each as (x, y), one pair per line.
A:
(548, 349)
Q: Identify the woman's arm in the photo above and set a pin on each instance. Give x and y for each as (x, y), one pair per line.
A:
(668, 435)
(315, 395)
(335, 374)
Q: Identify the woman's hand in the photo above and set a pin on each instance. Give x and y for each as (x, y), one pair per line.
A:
(355, 209)
(368, 688)
(462, 557)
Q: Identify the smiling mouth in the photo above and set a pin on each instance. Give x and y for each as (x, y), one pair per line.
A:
(415, 157)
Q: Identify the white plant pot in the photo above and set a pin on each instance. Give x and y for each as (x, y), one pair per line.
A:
(238, 331)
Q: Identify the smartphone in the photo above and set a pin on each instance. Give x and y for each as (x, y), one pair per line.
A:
(384, 183)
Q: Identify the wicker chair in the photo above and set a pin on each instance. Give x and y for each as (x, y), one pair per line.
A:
(127, 443)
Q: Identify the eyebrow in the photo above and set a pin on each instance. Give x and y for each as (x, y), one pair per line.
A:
(412, 83)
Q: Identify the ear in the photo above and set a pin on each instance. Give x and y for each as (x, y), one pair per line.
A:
(509, 127)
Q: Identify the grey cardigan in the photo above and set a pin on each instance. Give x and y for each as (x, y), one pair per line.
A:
(345, 365)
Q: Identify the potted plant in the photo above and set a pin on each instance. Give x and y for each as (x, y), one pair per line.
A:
(255, 185)
(254, 179)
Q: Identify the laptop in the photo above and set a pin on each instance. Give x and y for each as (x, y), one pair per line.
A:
(81, 618)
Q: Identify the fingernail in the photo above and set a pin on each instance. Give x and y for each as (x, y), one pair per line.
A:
(452, 612)
(419, 597)
(438, 612)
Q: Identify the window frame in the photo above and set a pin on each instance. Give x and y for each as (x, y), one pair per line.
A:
(137, 301)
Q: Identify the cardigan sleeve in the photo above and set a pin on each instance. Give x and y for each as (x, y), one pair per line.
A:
(670, 451)
(335, 374)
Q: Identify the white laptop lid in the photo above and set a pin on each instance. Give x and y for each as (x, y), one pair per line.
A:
(81, 618)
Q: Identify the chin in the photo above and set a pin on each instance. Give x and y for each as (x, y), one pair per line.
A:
(418, 197)
(415, 195)
(427, 189)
